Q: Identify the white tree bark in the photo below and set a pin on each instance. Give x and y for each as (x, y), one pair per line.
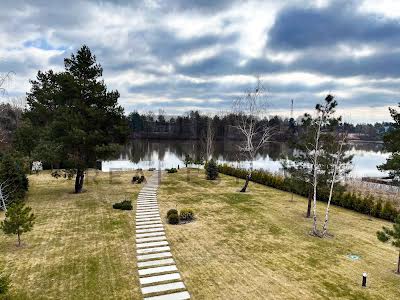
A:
(315, 179)
(335, 172)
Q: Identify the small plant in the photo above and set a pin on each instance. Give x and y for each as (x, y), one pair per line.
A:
(123, 205)
(19, 219)
(171, 212)
(172, 170)
(186, 214)
(4, 283)
(56, 174)
(394, 235)
(211, 170)
(152, 169)
(173, 218)
(134, 179)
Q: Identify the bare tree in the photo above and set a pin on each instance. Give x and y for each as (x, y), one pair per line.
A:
(4, 78)
(4, 195)
(340, 168)
(324, 111)
(207, 138)
(251, 121)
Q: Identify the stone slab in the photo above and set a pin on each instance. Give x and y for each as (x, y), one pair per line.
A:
(174, 296)
(153, 250)
(163, 287)
(152, 244)
(148, 226)
(151, 239)
(158, 262)
(144, 213)
(158, 270)
(149, 234)
(142, 217)
(159, 278)
(150, 230)
(154, 256)
(147, 222)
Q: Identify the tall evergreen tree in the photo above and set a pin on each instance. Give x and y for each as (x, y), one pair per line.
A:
(392, 234)
(74, 111)
(392, 144)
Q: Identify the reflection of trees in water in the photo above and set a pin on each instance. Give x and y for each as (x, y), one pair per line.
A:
(142, 150)
(371, 147)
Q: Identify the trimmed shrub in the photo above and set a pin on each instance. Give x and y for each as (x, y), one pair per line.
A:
(186, 214)
(173, 219)
(172, 211)
(172, 170)
(141, 179)
(123, 205)
(211, 170)
(134, 179)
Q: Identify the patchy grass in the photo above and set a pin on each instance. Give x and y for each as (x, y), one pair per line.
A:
(80, 247)
(257, 245)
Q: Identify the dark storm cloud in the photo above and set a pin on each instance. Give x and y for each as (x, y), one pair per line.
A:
(298, 28)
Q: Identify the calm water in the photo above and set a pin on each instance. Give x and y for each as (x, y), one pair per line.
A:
(167, 154)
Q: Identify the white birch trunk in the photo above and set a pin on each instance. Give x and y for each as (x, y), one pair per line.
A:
(315, 179)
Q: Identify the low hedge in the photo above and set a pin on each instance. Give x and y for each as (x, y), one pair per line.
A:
(363, 204)
(123, 205)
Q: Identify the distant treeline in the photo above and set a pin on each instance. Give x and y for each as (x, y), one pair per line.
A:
(193, 126)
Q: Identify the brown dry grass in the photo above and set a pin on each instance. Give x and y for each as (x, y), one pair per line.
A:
(256, 245)
(80, 248)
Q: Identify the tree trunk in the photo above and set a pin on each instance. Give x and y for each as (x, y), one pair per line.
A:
(80, 175)
(243, 190)
(309, 203)
(398, 264)
(19, 239)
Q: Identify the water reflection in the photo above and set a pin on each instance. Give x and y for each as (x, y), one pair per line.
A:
(167, 154)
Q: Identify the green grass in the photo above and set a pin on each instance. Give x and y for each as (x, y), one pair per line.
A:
(257, 245)
(80, 248)
(241, 246)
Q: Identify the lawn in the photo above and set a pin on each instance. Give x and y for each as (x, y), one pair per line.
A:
(80, 248)
(257, 245)
(242, 246)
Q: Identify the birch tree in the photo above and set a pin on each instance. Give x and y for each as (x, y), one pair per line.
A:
(341, 166)
(5, 199)
(324, 112)
(250, 113)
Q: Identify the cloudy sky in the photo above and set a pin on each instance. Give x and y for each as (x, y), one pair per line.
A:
(185, 55)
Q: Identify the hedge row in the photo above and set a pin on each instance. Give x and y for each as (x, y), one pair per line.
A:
(363, 204)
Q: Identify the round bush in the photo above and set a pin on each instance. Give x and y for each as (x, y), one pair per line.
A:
(173, 219)
(186, 214)
(172, 211)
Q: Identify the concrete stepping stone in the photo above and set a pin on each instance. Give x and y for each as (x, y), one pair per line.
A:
(151, 239)
(139, 222)
(152, 211)
(143, 235)
(158, 270)
(144, 206)
(152, 263)
(153, 250)
(152, 244)
(147, 216)
(147, 209)
(148, 226)
(146, 213)
(175, 296)
(153, 256)
(163, 287)
(150, 230)
(159, 278)
(148, 219)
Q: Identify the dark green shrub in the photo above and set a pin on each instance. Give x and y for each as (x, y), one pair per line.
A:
(4, 283)
(172, 211)
(141, 179)
(173, 219)
(123, 205)
(56, 174)
(211, 170)
(186, 214)
(134, 179)
(172, 170)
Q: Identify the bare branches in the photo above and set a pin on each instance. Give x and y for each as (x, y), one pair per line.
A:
(3, 80)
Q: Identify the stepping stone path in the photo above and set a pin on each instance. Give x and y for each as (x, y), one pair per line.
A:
(158, 275)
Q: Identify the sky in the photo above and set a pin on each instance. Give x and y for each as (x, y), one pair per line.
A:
(201, 55)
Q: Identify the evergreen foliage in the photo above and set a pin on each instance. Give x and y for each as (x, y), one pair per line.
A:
(211, 170)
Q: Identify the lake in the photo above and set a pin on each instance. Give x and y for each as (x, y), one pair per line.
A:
(167, 154)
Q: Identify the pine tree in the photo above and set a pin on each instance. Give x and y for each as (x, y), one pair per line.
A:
(392, 234)
(211, 170)
(19, 219)
(74, 113)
